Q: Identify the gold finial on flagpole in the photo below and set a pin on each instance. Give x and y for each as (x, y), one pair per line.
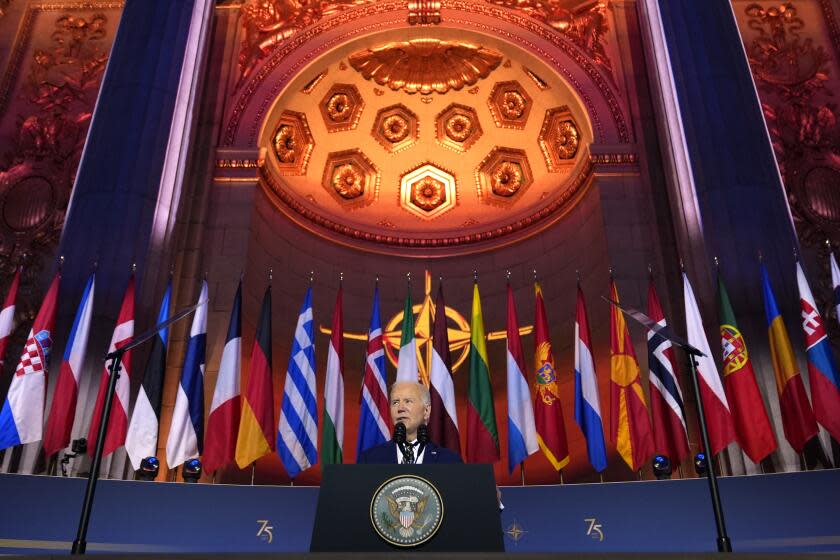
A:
(507, 274)
(717, 262)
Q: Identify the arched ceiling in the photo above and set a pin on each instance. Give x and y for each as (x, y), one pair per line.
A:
(425, 138)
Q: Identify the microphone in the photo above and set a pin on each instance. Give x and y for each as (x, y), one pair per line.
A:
(399, 433)
(422, 434)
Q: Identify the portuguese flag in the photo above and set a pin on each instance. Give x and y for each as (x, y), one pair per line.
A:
(752, 426)
(256, 428)
(482, 435)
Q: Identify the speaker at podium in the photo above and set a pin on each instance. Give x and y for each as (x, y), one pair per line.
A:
(434, 508)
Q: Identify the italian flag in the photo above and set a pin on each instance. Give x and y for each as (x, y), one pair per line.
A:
(333, 435)
(407, 360)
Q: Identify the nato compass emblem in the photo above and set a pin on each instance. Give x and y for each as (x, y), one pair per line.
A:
(406, 511)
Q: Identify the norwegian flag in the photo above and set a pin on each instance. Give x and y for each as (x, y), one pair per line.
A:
(22, 416)
(118, 419)
(7, 316)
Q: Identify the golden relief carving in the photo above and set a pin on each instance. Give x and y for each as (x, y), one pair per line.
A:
(513, 105)
(559, 138)
(567, 140)
(347, 181)
(395, 128)
(313, 83)
(284, 144)
(423, 12)
(292, 143)
(341, 107)
(506, 178)
(510, 104)
(427, 193)
(458, 127)
(426, 66)
(585, 27)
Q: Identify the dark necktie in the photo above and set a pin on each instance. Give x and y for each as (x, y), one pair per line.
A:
(409, 454)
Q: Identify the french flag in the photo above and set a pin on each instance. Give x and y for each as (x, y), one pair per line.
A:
(7, 315)
(587, 399)
(186, 432)
(822, 369)
(22, 415)
(63, 409)
(226, 408)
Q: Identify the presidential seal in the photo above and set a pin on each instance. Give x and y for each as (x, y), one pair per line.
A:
(406, 511)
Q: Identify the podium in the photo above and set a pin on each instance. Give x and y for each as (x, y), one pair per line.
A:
(468, 519)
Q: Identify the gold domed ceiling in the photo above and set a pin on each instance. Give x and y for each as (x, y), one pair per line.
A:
(426, 141)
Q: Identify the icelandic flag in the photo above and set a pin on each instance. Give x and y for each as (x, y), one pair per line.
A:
(522, 431)
(297, 437)
(63, 408)
(7, 315)
(822, 369)
(22, 416)
(142, 437)
(186, 432)
(587, 400)
(226, 408)
(375, 414)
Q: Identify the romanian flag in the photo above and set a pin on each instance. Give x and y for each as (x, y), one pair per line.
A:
(629, 422)
(256, 428)
(797, 417)
(482, 435)
(752, 426)
(548, 413)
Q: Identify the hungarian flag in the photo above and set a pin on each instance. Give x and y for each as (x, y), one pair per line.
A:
(822, 369)
(332, 438)
(63, 408)
(142, 437)
(7, 315)
(548, 413)
(117, 422)
(186, 431)
(797, 417)
(482, 435)
(629, 422)
(522, 432)
(256, 427)
(443, 422)
(752, 426)
(715, 404)
(407, 360)
(587, 397)
(226, 408)
(666, 401)
(22, 415)
(375, 413)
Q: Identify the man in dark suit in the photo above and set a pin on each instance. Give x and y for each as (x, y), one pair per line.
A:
(411, 404)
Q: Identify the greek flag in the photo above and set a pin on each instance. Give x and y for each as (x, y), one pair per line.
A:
(297, 435)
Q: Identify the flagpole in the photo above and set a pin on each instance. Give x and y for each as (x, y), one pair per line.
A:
(560, 472)
(253, 471)
(522, 473)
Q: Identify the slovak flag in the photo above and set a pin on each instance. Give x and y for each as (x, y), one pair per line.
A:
(186, 432)
(822, 369)
(22, 416)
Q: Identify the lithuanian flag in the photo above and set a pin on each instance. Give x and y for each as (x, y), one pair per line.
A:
(482, 435)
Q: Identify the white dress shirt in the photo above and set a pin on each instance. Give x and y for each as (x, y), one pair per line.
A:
(419, 458)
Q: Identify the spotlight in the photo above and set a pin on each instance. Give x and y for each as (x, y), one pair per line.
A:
(700, 464)
(149, 468)
(662, 467)
(192, 470)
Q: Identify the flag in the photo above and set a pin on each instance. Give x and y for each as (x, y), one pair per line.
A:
(22, 415)
(63, 408)
(297, 437)
(587, 399)
(186, 431)
(117, 422)
(407, 360)
(822, 369)
(142, 437)
(226, 407)
(797, 417)
(482, 435)
(332, 440)
(715, 404)
(7, 315)
(629, 422)
(522, 432)
(256, 426)
(835, 283)
(443, 421)
(666, 401)
(375, 413)
(752, 426)
(548, 413)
